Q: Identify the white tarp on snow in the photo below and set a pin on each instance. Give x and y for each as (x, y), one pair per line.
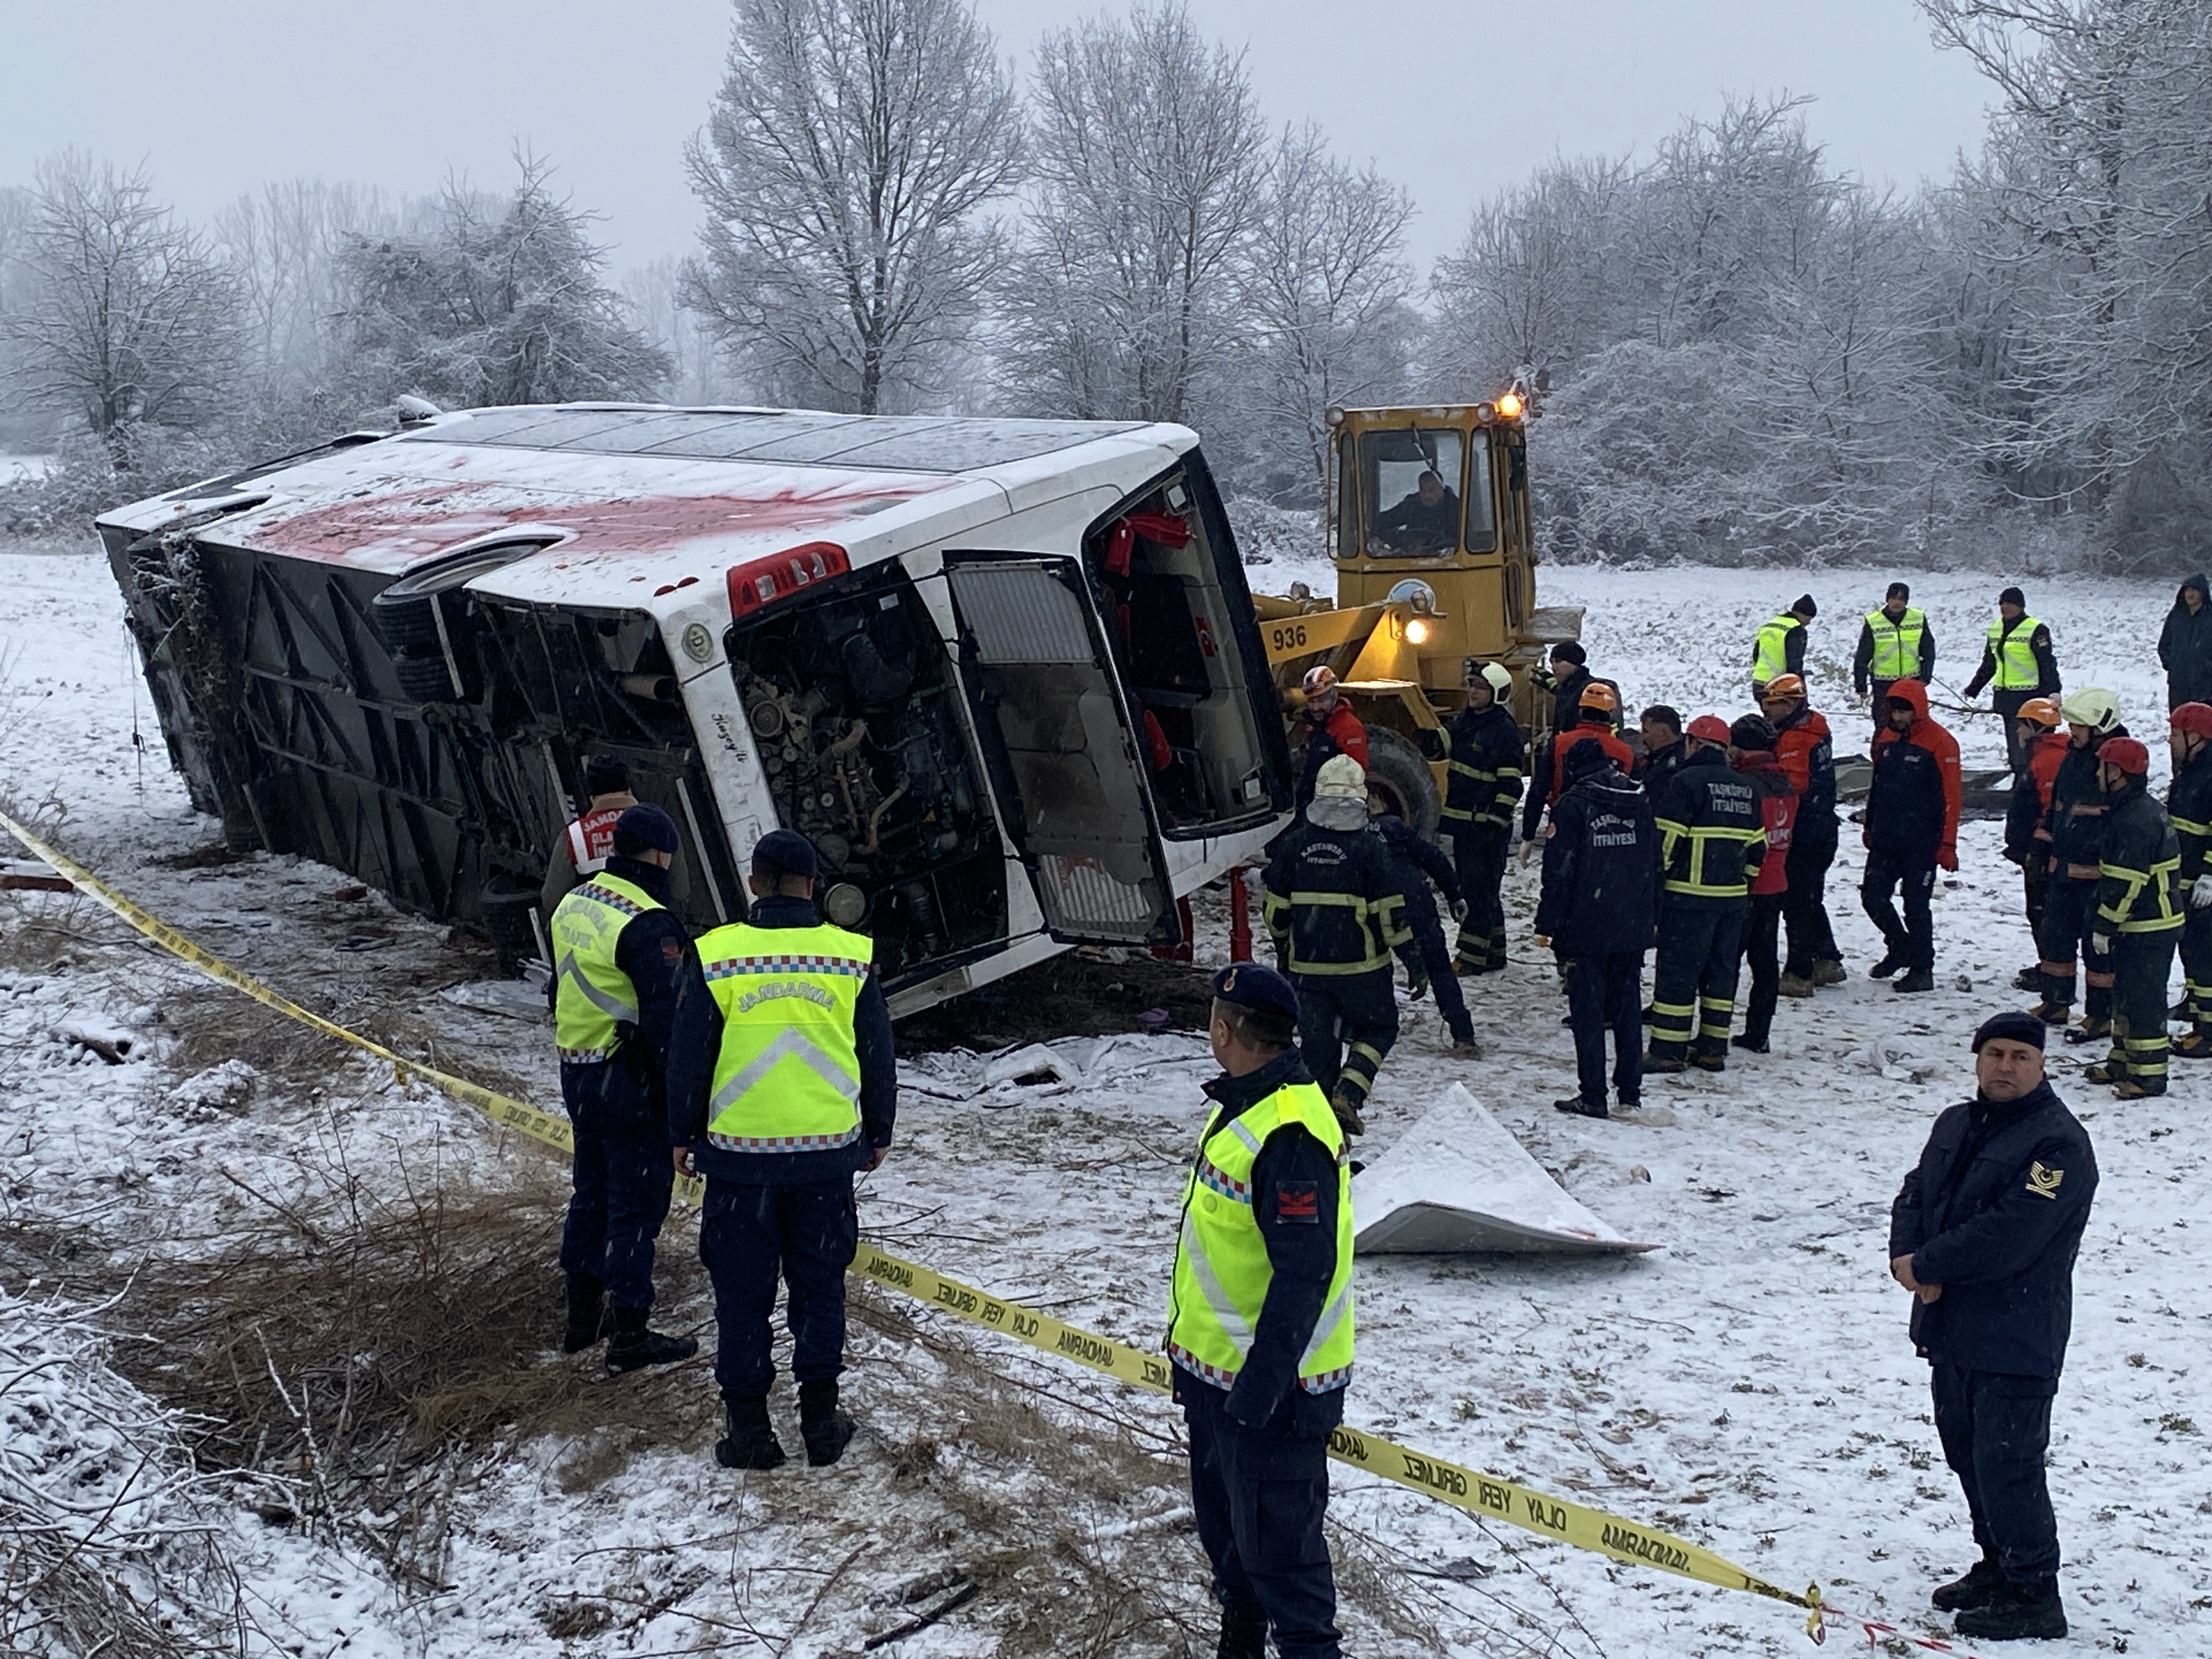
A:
(1458, 1180)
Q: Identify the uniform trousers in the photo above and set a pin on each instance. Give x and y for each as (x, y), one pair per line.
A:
(1347, 1025)
(2140, 965)
(1603, 993)
(621, 1178)
(2009, 704)
(749, 1236)
(2070, 926)
(1478, 857)
(1258, 1498)
(1693, 980)
(1805, 907)
(1912, 939)
(1427, 957)
(1761, 933)
(1995, 1428)
(2196, 967)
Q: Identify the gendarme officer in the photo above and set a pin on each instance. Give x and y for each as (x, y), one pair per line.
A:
(802, 1095)
(1983, 1233)
(626, 995)
(1259, 1323)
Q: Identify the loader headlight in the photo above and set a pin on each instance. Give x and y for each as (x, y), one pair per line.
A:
(1417, 630)
(1509, 406)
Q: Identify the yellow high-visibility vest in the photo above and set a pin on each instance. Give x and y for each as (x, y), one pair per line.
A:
(788, 1076)
(1896, 643)
(2013, 651)
(1221, 1267)
(1769, 657)
(592, 998)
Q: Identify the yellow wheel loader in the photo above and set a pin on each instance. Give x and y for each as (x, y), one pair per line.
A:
(1428, 524)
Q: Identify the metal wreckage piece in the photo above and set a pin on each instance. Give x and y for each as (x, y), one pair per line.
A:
(933, 646)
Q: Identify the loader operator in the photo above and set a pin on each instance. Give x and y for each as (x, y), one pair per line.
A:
(1259, 1324)
(1333, 906)
(1487, 750)
(627, 995)
(1426, 521)
(584, 847)
(1332, 729)
(802, 1097)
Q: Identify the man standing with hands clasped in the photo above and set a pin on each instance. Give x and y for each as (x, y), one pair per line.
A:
(1983, 1233)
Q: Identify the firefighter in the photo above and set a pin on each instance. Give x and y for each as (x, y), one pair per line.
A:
(2018, 663)
(1415, 862)
(2074, 829)
(1711, 843)
(2027, 842)
(1983, 1233)
(1912, 828)
(627, 996)
(1895, 644)
(2189, 805)
(1259, 1323)
(1780, 647)
(1597, 713)
(1598, 908)
(1751, 751)
(586, 843)
(1332, 729)
(1333, 905)
(802, 1096)
(1806, 752)
(2139, 918)
(1487, 752)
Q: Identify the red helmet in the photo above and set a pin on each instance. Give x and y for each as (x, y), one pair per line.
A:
(2194, 717)
(2129, 756)
(1709, 728)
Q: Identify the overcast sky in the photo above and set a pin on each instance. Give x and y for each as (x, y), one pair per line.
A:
(1454, 98)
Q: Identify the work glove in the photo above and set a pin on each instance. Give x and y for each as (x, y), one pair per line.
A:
(1458, 906)
(2102, 943)
(2200, 895)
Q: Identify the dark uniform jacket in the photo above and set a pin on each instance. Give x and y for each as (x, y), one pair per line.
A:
(1567, 695)
(1806, 751)
(629, 1094)
(689, 1084)
(2135, 892)
(2079, 814)
(1657, 766)
(1710, 836)
(1301, 1262)
(1487, 751)
(1416, 862)
(1600, 869)
(1994, 1214)
(2189, 809)
(1333, 901)
(2185, 648)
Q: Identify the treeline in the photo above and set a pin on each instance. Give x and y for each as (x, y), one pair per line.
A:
(1740, 353)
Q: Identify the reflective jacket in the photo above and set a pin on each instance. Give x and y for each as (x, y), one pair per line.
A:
(1900, 647)
(592, 998)
(1332, 900)
(2016, 656)
(1778, 816)
(2079, 813)
(1709, 837)
(1779, 649)
(2189, 809)
(1806, 751)
(1485, 780)
(788, 1072)
(2142, 858)
(1222, 1291)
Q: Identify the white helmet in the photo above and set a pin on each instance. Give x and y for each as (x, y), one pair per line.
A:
(2093, 706)
(1340, 778)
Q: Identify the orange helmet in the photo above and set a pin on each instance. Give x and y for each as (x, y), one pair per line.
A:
(2043, 711)
(1786, 685)
(1601, 697)
(1319, 680)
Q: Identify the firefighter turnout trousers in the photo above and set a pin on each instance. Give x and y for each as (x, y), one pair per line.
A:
(1693, 989)
(1347, 1025)
(2070, 926)
(2140, 965)
(2197, 969)
(1479, 856)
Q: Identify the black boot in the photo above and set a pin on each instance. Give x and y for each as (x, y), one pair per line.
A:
(1916, 980)
(2017, 1613)
(826, 1430)
(588, 1311)
(1891, 960)
(1244, 1634)
(1579, 1106)
(1978, 1589)
(1751, 1043)
(633, 1346)
(751, 1442)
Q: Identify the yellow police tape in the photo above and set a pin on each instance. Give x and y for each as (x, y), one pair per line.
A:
(1489, 1496)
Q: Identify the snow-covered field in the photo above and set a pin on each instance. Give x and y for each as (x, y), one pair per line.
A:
(1750, 1385)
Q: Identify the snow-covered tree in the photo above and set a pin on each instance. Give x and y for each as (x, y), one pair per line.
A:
(127, 321)
(497, 302)
(1150, 181)
(847, 170)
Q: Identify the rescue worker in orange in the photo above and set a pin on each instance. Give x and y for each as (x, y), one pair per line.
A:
(1806, 752)
(1331, 729)
(1912, 828)
(1598, 710)
(2027, 841)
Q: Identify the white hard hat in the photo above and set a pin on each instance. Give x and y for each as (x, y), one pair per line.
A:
(1340, 778)
(2093, 706)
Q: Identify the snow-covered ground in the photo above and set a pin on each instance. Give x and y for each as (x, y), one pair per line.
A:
(1749, 1385)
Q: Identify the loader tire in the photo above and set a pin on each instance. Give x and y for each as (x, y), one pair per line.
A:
(1396, 771)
